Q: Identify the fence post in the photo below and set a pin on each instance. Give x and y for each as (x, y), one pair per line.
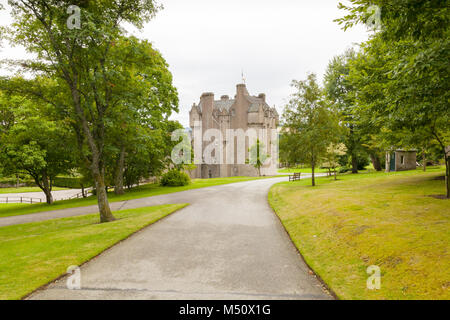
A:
(21, 200)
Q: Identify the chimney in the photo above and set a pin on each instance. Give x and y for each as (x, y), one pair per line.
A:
(207, 102)
(225, 98)
(262, 96)
(207, 105)
(241, 90)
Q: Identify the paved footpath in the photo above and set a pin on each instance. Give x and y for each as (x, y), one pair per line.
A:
(57, 195)
(228, 244)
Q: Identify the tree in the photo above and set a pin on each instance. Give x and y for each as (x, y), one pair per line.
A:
(308, 124)
(257, 156)
(340, 92)
(148, 98)
(37, 146)
(334, 151)
(82, 63)
(413, 85)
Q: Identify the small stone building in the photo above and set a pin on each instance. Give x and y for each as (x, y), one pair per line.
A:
(401, 160)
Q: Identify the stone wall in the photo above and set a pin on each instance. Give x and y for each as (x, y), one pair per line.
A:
(409, 160)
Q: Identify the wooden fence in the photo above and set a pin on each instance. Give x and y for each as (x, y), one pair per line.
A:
(20, 200)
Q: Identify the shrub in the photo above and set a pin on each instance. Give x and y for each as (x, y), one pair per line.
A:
(175, 178)
(69, 182)
(344, 170)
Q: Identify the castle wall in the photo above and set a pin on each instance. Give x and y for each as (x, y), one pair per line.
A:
(233, 114)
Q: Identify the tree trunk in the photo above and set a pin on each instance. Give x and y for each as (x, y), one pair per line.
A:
(447, 174)
(335, 174)
(48, 196)
(354, 163)
(313, 180)
(118, 188)
(99, 181)
(102, 198)
(424, 159)
(47, 188)
(375, 161)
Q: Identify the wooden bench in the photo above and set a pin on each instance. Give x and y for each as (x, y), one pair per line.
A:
(295, 176)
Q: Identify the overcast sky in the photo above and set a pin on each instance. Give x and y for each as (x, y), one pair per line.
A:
(207, 44)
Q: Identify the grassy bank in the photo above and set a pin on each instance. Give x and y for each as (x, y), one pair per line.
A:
(34, 254)
(7, 210)
(389, 220)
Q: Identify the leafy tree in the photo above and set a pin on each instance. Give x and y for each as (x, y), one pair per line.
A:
(309, 125)
(83, 64)
(334, 151)
(339, 90)
(412, 86)
(37, 146)
(147, 100)
(257, 156)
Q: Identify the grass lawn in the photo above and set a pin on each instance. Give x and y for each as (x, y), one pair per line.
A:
(7, 210)
(26, 189)
(302, 170)
(384, 219)
(34, 254)
(317, 170)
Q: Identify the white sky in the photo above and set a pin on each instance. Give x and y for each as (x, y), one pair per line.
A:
(207, 44)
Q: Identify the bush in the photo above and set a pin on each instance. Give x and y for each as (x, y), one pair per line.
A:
(363, 162)
(69, 182)
(344, 170)
(11, 182)
(175, 178)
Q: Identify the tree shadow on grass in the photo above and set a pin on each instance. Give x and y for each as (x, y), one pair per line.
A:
(439, 196)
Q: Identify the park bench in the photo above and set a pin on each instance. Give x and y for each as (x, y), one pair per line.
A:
(295, 176)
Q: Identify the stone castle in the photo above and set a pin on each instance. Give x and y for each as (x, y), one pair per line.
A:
(243, 112)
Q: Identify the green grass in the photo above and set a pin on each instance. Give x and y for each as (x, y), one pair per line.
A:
(34, 254)
(302, 170)
(26, 189)
(317, 170)
(7, 210)
(389, 220)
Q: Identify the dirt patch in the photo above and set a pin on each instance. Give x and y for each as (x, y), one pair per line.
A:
(392, 261)
(359, 230)
(439, 196)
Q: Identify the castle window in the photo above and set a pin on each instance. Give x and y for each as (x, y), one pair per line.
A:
(233, 113)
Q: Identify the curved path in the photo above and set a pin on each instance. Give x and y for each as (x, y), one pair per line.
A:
(228, 244)
(57, 195)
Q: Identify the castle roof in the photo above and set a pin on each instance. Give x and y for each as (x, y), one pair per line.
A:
(256, 103)
(223, 104)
